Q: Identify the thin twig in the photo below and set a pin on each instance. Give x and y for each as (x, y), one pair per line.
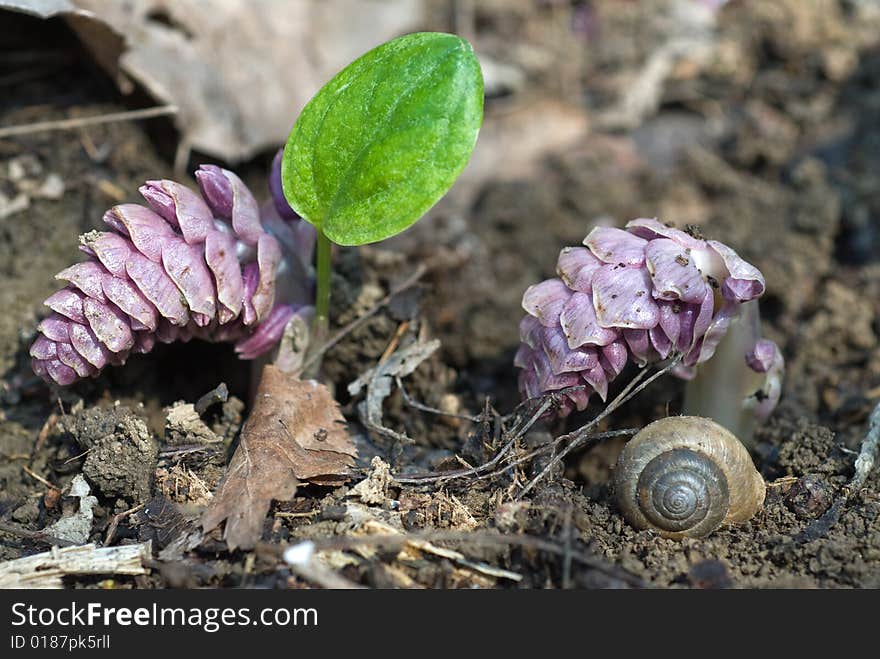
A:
(867, 452)
(395, 341)
(77, 457)
(431, 410)
(546, 403)
(45, 430)
(409, 282)
(577, 438)
(567, 537)
(344, 543)
(185, 450)
(507, 466)
(37, 477)
(114, 523)
(80, 122)
(461, 473)
(457, 473)
(550, 446)
(285, 515)
(582, 434)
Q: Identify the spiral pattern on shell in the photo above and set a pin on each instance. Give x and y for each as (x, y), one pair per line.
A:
(682, 491)
(213, 266)
(686, 476)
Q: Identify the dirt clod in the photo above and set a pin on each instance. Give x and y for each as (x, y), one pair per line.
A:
(183, 425)
(121, 452)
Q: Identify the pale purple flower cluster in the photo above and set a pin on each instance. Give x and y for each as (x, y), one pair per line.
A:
(213, 266)
(641, 295)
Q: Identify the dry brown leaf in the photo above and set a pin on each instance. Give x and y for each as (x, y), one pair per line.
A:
(240, 70)
(39, 8)
(294, 433)
(379, 380)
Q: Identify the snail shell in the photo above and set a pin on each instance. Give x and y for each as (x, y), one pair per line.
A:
(685, 476)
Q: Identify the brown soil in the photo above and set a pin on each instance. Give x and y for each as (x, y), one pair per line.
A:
(787, 172)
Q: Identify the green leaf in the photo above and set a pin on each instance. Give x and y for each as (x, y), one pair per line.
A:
(386, 138)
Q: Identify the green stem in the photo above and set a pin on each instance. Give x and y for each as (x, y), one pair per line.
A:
(322, 303)
(322, 306)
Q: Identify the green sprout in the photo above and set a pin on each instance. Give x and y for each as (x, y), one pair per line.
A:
(381, 143)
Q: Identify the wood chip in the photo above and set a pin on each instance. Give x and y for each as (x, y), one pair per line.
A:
(46, 570)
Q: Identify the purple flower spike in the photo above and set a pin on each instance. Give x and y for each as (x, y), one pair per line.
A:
(230, 199)
(216, 189)
(744, 282)
(616, 246)
(190, 266)
(622, 298)
(637, 295)
(673, 272)
(576, 267)
(180, 207)
(275, 187)
(267, 334)
(580, 325)
(546, 300)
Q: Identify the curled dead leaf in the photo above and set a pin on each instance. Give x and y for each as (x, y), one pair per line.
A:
(238, 70)
(295, 433)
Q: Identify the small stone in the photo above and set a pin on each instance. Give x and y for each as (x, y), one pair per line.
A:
(76, 526)
(450, 404)
(839, 62)
(28, 513)
(411, 520)
(26, 165)
(809, 497)
(183, 425)
(11, 206)
(52, 188)
(374, 488)
(710, 574)
(333, 513)
(16, 170)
